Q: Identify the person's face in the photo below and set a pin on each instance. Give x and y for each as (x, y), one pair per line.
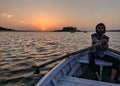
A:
(100, 29)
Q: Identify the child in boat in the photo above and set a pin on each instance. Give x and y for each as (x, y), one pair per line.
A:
(99, 51)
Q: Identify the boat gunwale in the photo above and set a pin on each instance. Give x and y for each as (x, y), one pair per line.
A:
(112, 50)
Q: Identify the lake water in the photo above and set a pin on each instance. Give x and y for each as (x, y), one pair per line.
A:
(21, 50)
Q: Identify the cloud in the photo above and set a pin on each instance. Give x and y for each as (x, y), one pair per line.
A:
(6, 15)
(24, 22)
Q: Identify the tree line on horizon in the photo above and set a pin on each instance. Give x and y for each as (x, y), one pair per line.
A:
(6, 29)
(69, 29)
(64, 29)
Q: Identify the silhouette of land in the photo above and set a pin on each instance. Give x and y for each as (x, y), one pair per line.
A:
(2, 29)
(113, 30)
(6, 29)
(69, 29)
(64, 29)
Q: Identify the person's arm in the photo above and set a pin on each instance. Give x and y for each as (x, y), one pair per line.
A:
(104, 43)
(94, 39)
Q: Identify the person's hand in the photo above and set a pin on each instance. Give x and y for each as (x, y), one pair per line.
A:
(104, 45)
(102, 42)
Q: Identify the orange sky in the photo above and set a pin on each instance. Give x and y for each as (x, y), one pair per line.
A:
(56, 14)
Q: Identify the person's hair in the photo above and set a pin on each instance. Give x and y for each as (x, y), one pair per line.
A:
(100, 24)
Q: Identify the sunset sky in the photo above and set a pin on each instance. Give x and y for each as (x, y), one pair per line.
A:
(56, 14)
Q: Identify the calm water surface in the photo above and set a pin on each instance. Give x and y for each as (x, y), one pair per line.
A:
(21, 50)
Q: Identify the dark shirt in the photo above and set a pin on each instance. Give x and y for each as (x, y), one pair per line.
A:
(98, 50)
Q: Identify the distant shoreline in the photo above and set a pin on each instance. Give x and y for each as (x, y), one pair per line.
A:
(2, 29)
(51, 31)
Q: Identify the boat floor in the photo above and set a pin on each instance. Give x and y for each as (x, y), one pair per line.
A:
(88, 74)
(87, 79)
(73, 81)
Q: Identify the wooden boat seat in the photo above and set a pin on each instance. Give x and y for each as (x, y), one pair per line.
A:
(99, 62)
(73, 81)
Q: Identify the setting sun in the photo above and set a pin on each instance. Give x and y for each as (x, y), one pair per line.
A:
(43, 29)
(45, 22)
(42, 24)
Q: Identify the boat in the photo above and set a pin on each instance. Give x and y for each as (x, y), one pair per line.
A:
(71, 71)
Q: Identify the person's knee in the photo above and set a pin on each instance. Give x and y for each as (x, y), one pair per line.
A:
(116, 67)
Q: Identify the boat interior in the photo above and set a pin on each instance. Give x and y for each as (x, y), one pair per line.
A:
(75, 71)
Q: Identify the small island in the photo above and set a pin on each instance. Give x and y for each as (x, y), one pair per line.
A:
(69, 29)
